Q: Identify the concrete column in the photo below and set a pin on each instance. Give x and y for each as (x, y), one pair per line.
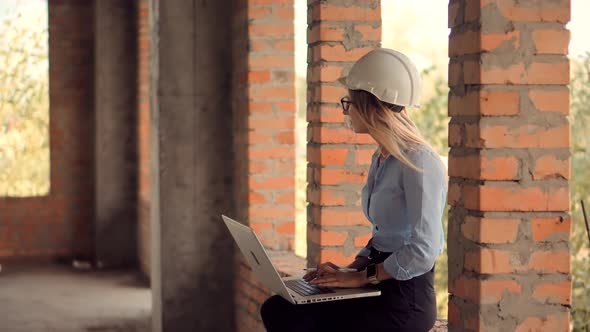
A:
(339, 33)
(191, 122)
(509, 263)
(115, 140)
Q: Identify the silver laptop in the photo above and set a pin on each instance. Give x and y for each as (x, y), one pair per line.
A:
(293, 289)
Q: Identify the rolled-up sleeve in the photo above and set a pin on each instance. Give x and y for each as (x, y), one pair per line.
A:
(425, 194)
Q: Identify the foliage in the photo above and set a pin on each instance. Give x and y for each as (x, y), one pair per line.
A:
(24, 105)
(580, 189)
(432, 120)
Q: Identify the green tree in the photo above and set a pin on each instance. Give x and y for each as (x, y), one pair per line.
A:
(24, 107)
(432, 120)
(580, 189)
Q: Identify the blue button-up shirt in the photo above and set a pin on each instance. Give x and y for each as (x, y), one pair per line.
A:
(405, 207)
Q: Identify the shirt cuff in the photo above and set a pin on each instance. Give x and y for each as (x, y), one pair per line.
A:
(394, 269)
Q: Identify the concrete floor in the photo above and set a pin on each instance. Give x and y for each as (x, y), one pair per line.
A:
(35, 298)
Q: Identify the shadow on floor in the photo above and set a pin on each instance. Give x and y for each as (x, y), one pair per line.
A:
(46, 297)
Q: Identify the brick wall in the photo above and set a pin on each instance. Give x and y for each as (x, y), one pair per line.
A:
(509, 226)
(338, 34)
(264, 123)
(143, 139)
(61, 223)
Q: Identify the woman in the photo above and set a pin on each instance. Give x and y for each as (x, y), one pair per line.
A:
(403, 198)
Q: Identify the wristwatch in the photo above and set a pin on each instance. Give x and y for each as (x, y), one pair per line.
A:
(372, 274)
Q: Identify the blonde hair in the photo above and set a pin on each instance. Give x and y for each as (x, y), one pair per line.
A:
(390, 125)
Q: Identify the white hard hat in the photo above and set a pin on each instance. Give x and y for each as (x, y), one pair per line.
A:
(387, 74)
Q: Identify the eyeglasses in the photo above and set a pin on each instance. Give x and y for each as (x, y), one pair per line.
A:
(345, 104)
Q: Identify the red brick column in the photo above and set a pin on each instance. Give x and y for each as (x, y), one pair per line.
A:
(338, 35)
(270, 140)
(509, 226)
(264, 123)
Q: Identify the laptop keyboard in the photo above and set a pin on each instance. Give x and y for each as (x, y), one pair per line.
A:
(303, 288)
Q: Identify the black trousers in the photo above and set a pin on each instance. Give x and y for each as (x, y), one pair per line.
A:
(403, 306)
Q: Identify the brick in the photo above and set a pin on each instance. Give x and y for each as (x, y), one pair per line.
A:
(488, 261)
(327, 237)
(549, 166)
(330, 12)
(553, 292)
(369, 33)
(549, 262)
(283, 13)
(551, 229)
(339, 136)
(338, 53)
(323, 156)
(330, 73)
(485, 135)
(551, 100)
(258, 13)
(455, 73)
(329, 93)
(362, 240)
(271, 61)
(278, 182)
(540, 11)
(258, 137)
(484, 168)
(326, 114)
(271, 122)
(455, 134)
(287, 228)
(454, 315)
(285, 137)
(286, 107)
(454, 18)
(324, 32)
(257, 167)
(256, 198)
(515, 198)
(485, 291)
(272, 92)
(326, 197)
(259, 107)
(364, 156)
(339, 217)
(272, 213)
(329, 176)
(558, 322)
(485, 103)
(261, 227)
(474, 42)
(490, 230)
(336, 256)
(555, 73)
(551, 41)
(454, 194)
(284, 46)
(285, 198)
(283, 30)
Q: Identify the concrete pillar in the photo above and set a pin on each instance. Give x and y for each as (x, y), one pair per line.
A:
(191, 130)
(339, 32)
(509, 265)
(115, 140)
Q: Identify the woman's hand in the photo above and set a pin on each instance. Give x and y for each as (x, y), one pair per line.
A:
(331, 277)
(316, 273)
